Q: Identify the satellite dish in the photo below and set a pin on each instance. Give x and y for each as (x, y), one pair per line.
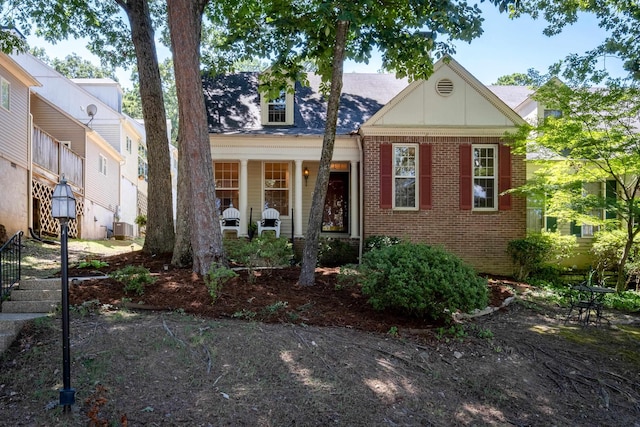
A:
(92, 110)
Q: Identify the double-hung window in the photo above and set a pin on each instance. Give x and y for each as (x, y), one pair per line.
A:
(485, 177)
(276, 187)
(102, 164)
(227, 185)
(143, 165)
(5, 90)
(277, 109)
(405, 164)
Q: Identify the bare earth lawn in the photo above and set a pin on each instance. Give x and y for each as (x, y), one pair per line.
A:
(270, 353)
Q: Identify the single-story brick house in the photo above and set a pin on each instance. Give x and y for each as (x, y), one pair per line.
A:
(423, 161)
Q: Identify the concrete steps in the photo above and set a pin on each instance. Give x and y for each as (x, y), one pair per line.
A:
(29, 300)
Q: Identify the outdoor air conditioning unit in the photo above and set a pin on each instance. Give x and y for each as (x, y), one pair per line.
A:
(122, 230)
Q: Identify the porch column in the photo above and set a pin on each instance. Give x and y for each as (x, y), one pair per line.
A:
(355, 201)
(297, 202)
(244, 212)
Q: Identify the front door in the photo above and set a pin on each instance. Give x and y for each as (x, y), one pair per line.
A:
(336, 204)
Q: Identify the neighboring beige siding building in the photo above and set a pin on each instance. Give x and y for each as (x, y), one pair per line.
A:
(15, 137)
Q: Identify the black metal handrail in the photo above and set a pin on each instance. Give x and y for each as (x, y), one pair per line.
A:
(10, 264)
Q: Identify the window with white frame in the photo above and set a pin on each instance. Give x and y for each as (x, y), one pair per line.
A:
(556, 114)
(227, 185)
(143, 166)
(277, 109)
(405, 163)
(593, 191)
(102, 164)
(276, 187)
(5, 91)
(485, 177)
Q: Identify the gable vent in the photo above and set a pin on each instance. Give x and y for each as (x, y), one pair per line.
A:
(444, 87)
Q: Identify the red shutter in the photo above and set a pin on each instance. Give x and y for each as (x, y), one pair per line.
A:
(466, 199)
(386, 176)
(504, 177)
(425, 176)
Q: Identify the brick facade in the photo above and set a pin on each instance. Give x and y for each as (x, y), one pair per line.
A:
(479, 238)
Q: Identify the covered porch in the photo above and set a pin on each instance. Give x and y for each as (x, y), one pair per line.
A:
(255, 172)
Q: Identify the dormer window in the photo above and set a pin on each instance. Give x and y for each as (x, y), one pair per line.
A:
(278, 109)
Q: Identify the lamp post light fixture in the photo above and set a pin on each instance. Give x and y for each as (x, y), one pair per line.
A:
(63, 208)
(306, 176)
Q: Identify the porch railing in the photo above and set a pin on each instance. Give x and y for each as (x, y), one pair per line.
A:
(56, 157)
(10, 264)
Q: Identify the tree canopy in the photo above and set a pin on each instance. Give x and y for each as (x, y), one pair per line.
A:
(620, 18)
(532, 78)
(594, 140)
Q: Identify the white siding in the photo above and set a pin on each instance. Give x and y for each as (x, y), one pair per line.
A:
(14, 131)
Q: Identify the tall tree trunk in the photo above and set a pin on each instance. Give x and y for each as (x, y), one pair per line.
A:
(310, 252)
(182, 254)
(160, 234)
(185, 25)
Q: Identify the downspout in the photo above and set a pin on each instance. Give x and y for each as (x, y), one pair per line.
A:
(360, 196)
(30, 170)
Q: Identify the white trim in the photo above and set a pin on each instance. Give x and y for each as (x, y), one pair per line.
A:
(435, 131)
(416, 159)
(494, 177)
(102, 164)
(289, 189)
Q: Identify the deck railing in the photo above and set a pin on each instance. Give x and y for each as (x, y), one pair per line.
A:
(56, 157)
(10, 265)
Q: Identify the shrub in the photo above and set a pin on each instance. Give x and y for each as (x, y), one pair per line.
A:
(333, 253)
(531, 253)
(421, 281)
(216, 277)
(141, 220)
(134, 278)
(94, 263)
(262, 251)
(607, 251)
(379, 242)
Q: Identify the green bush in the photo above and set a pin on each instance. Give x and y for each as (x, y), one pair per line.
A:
(421, 280)
(534, 251)
(134, 278)
(334, 253)
(262, 251)
(216, 277)
(379, 242)
(94, 263)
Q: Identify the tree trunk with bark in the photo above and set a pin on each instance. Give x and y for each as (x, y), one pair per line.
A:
(182, 254)
(185, 24)
(160, 234)
(312, 237)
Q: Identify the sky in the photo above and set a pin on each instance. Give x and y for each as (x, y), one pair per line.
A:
(506, 47)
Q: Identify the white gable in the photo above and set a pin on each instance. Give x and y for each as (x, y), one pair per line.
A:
(462, 102)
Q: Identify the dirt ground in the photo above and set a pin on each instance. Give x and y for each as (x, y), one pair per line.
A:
(270, 353)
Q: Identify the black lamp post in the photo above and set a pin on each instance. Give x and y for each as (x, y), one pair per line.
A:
(63, 207)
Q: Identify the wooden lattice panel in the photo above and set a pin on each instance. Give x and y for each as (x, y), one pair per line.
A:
(142, 204)
(48, 224)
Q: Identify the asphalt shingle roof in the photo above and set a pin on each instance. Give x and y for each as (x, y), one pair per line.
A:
(233, 103)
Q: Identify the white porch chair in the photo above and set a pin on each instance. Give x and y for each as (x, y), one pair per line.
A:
(270, 221)
(230, 221)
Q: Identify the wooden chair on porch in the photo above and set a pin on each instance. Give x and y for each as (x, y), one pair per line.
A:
(230, 220)
(270, 221)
